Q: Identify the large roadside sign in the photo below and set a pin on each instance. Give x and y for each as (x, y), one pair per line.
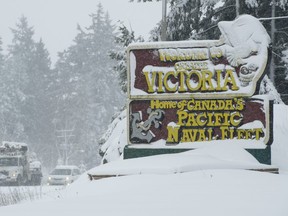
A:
(198, 69)
(194, 93)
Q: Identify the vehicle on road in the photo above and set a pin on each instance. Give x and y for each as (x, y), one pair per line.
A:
(63, 175)
(18, 166)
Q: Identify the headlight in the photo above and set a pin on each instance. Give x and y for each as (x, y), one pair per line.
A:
(67, 178)
(49, 178)
(14, 174)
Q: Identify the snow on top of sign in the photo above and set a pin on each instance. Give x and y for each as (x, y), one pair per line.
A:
(211, 157)
(162, 69)
(132, 67)
(173, 44)
(254, 124)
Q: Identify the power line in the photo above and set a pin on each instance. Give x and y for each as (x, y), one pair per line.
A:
(260, 19)
(272, 18)
(66, 134)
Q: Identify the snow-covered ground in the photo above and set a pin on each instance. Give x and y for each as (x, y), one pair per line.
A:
(203, 182)
(219, 156)
(204, 192)
(279, 147)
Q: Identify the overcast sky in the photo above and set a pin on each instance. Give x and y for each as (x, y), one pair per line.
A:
(55, 21)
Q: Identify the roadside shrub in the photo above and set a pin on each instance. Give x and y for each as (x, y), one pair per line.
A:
(15, 195)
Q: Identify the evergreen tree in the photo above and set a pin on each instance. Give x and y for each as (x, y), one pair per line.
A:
(119, 54)
(8, 112)
(88, 90)
(41, 133)
(27, 77)
(19, 65)
(15, 80)
(1, 55)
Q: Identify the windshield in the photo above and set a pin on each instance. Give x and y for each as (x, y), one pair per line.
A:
(8, 162)
(61, 172)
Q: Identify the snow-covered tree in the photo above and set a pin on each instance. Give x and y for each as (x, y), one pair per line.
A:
(285, 60)
(113, 140)
(18, 65)
(9, 112)
(122, 40)
(88, 91)
(41, 133)
(26, 80)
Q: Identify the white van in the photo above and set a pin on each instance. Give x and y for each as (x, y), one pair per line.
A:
(63, 175)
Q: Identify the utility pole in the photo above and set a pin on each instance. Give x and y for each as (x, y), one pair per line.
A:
(164, 21)
(273, 29)
(237, 8)
(65, 135)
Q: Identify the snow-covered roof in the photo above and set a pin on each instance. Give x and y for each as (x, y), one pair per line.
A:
(16, 145)
(13, 148)
(66, 167)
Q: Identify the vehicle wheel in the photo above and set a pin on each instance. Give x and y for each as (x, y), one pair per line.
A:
(19, 180)
(25, 180)
(37, 180)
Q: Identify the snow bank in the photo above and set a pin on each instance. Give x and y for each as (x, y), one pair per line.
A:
(115, 139)
(201, 193)
(212, 157)
(280, 144)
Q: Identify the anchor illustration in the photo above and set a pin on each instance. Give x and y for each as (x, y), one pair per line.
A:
(140, 130)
